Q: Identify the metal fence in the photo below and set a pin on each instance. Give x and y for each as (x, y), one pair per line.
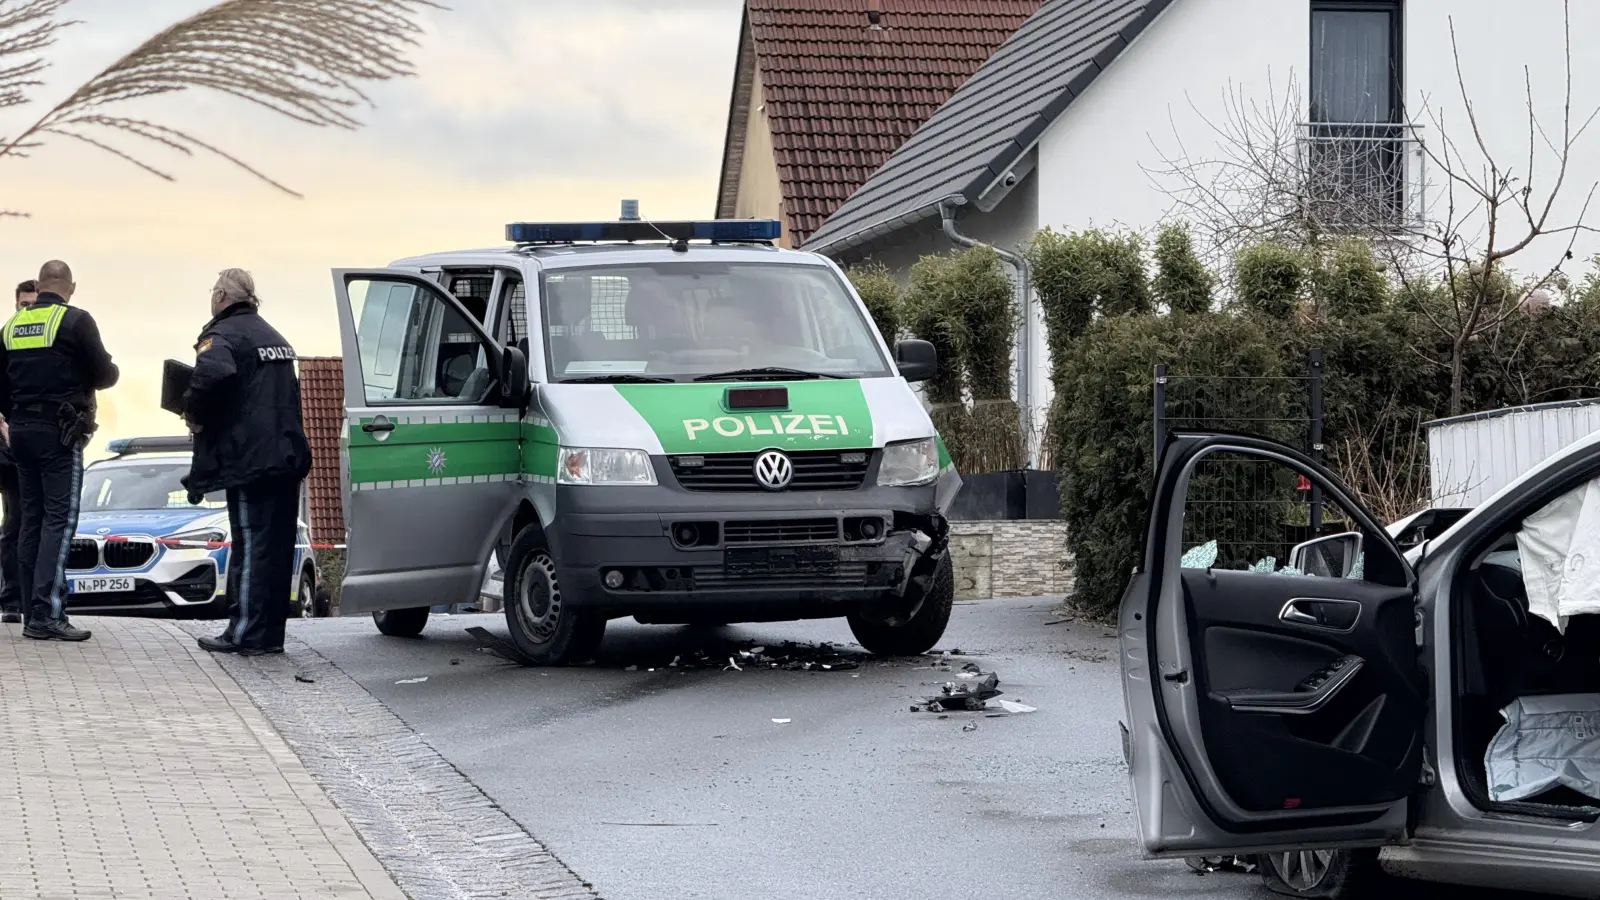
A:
(1253, 508)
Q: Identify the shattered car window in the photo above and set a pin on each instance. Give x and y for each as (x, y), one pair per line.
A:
(1248, 513)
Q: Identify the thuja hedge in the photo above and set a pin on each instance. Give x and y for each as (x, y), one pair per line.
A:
(1385, 371)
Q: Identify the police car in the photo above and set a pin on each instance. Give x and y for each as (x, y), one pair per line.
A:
(673, 421)
(141, 549)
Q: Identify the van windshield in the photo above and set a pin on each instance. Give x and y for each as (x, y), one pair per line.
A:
(686, 320)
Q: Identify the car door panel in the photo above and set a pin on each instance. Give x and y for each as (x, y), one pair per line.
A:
(1267, 711)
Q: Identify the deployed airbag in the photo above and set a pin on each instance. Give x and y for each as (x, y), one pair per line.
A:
(1547, 742)
(1560, 550)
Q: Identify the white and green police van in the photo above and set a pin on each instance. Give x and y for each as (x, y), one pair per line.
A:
(674, 421)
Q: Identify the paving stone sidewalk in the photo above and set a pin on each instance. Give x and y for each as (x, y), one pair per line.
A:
(133, 766)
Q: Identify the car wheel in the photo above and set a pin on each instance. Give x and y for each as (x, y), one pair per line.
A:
(402, 622)
(1322, 874)
(545, 631)
(306, 597)
(912, 630)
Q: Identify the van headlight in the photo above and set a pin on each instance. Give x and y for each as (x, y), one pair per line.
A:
(909, 463)
(584, 465)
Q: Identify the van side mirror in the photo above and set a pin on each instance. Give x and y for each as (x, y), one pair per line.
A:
(916, 360)
(513, 378)
(1331, 557)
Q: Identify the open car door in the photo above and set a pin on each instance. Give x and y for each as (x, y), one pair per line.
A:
(431, 446)
(1267, 709)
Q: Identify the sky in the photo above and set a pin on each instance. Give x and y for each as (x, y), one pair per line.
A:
(521, 110)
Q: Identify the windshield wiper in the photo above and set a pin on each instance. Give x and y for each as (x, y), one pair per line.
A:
(764, 372)
(617, 378)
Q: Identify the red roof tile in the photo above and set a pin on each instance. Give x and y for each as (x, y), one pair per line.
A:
(842, 94)
(322, 409)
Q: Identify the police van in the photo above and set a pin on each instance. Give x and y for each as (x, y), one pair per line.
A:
(673, 421)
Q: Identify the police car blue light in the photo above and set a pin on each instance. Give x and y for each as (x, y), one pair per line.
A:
(630, 228)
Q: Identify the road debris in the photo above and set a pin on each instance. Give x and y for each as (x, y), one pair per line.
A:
(970, 726)
(412, 680)
(493, 644)
(781, 721)
(304, 679)
(1011, 706)
(1205, 865)
(971, 696)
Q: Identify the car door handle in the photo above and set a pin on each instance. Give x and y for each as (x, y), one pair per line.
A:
(1330, 615)
(380, 425)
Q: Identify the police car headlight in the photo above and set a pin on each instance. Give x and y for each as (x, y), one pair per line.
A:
(200, 536)
(909, 463)
(583, 465)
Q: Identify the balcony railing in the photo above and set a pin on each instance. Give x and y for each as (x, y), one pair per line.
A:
(1362, 178)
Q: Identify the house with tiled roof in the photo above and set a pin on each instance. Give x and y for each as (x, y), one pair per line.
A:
(825, 90)
(1124, 113)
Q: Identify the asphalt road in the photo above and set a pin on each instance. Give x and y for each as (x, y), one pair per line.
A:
(678, 783)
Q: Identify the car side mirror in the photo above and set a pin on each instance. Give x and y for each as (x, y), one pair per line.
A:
(916, 360)
(513, 378)
(1330, 557)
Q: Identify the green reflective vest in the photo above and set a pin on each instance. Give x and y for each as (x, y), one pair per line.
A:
(34, 328)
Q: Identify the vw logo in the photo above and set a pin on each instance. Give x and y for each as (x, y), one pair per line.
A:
(774, 471)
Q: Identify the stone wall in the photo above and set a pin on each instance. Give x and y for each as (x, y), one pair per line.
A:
(1009, 559)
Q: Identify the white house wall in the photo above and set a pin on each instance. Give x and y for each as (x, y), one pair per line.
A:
(1158, 98)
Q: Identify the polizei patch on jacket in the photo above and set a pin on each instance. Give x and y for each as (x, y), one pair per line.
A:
(32, 329)
(275, 354)
(691, 418)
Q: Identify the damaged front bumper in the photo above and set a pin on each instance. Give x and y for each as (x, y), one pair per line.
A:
(742, 558)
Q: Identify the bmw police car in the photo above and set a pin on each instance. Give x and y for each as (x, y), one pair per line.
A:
(673, 421)
(141, 548)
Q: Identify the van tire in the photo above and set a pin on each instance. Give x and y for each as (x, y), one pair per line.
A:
(917, 631)
(544, 630)
(406, 623)
(1343, 875)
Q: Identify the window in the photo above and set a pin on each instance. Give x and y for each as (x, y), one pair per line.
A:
(1356, 143)
(1249, 513)
(153, 485)
(415, 347)
(684, 320)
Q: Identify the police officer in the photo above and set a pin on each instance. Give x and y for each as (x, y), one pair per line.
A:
(243, 405)
(11, 588)
(51, 363)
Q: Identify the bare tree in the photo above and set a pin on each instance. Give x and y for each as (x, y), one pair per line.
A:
(302, 59)
(1491, 213)
(1276, 180)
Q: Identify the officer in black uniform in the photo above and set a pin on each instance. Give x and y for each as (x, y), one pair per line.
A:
(11, 588)
(243, 405)
(51, 363)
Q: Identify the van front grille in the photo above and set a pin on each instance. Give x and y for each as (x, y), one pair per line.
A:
(814, 470)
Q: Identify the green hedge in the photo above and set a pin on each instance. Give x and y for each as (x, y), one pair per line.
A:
(1385, 372)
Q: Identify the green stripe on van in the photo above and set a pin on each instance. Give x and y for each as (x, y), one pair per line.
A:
(691, 418)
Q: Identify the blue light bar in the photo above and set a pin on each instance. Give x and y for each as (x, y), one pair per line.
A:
(725, 230)
(125, 446)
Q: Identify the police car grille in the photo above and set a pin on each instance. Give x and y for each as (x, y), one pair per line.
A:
(83, 554)
(814, 470)
(782, 531)
(127, 554)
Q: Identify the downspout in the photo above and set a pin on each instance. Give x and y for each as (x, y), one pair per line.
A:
(1024, 337)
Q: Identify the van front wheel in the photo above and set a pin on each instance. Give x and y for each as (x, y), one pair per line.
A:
(545, 631)
(911, 630)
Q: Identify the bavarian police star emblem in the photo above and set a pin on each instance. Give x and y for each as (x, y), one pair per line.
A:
(436, 461)
(203, 346)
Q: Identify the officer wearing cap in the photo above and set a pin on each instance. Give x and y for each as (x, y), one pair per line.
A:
(243, 405)
(51, 363)
(11, 589)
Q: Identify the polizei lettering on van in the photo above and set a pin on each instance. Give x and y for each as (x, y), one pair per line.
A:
(778, 423)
